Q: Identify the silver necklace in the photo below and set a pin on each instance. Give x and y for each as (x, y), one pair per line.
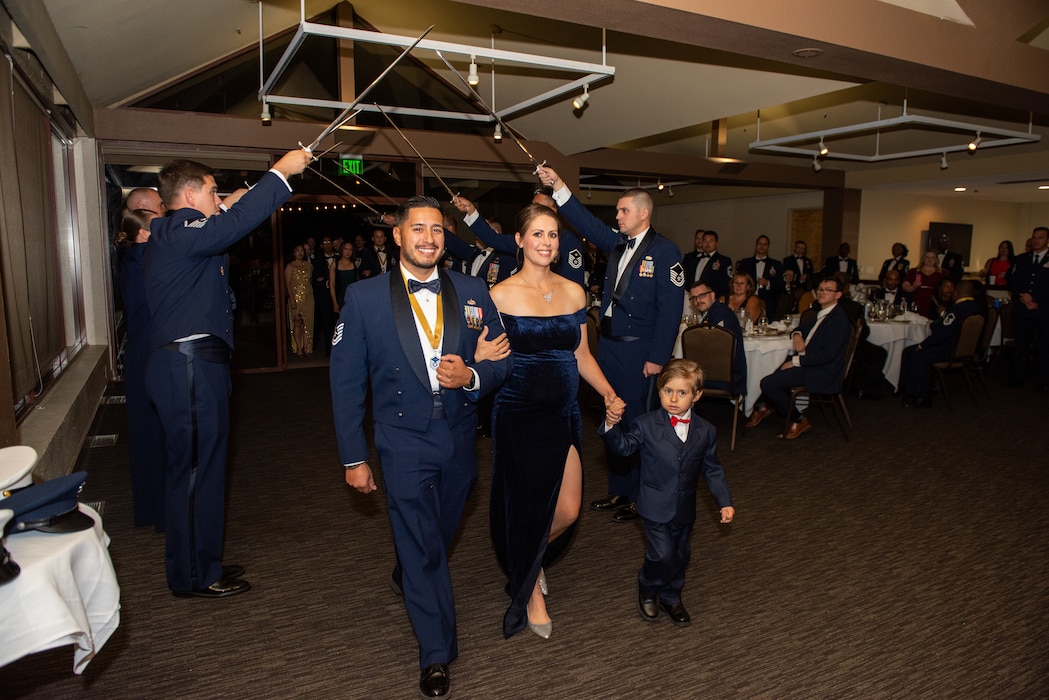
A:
(548, 297)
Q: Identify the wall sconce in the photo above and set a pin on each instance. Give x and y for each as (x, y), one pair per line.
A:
(580, 101)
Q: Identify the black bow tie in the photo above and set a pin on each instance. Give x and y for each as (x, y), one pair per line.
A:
(704, 255)
(433, 285)
(627, 241)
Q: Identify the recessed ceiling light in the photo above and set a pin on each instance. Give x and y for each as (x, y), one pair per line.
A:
(959, 189)
(1043, 187)
(807, 53)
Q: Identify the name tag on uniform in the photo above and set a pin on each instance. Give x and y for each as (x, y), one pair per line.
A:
(648, 267)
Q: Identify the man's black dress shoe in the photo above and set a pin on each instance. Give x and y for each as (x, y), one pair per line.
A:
(610, 503)
(434, 681)
(626, 513)
(677, 614)
(232, 570)
(917, 403)
(648, 608)
(220, 589)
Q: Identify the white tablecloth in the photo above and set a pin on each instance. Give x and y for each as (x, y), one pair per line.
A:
(67, 593)
(894, 337)
(765, 354)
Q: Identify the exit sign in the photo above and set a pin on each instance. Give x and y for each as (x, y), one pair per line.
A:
(351, 166)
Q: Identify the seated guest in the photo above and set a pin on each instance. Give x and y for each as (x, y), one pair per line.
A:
(898, 262)
(916, 366)
(868, 380)
(718, 314)
(788, 298)
(817, 360)
(996, 270)
(890, 290)
(942, 298)
(843, 263)
(920, 282)
(800, 263)
(743, 296)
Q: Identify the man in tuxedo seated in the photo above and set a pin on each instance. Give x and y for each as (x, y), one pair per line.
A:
(916, 366)
(843, 263)
(705, 304)
(816, 361)
(891, 292)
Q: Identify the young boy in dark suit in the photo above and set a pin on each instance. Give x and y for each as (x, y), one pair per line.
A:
(676, 447)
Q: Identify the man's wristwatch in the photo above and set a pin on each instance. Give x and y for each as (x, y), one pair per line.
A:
(472, 384)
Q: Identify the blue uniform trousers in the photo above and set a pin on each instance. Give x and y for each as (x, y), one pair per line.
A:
(428, 477)
(191, 396)
(623, 363)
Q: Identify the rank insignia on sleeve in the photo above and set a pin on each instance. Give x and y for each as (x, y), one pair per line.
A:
(199, 223)
(474, 315)
(338, 334)
(575, 259)
(677, 275)
(948, 319)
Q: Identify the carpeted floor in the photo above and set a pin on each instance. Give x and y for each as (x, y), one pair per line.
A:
(910, 562)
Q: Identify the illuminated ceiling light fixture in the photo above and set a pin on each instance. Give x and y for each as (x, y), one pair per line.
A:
(267, 118)
(580, 101)
(943, 161)
(473, 78)
(975, 143)
(498, 133)
(960, 189)
(816, 164)
(660, 185)
(823, 149)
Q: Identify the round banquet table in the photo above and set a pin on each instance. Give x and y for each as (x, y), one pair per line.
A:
(894, 336)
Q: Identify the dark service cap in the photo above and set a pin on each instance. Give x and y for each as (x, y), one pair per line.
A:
(50, 506)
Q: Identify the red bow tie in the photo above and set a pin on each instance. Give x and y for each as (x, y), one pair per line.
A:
(674, 420)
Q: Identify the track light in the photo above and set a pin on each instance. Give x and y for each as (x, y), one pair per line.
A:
(660, 185)
(472, 78)
(590, 193)
(580, 102)
(498, 133)
(670, 190)
(943, 161)
(816, 164)
(975, 143)
(267, 119)
(823, 149)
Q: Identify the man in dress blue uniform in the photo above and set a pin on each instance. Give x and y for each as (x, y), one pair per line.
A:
(707, 265)
(916, 364)
(800, 262)
(705, 303)
(571, 258)
(186, 272)
(1029, 280)
(766, 272)
(414, 333)
(640, 314)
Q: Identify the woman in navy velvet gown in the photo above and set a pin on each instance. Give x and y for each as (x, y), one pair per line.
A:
(537, 480)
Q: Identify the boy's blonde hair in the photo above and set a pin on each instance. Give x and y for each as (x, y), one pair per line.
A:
(681, 369)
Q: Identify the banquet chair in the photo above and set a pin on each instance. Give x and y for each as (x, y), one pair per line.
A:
(837, 400)
(713, 349)
(966, 358)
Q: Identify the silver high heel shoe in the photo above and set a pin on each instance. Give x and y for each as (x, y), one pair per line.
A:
(543, 588)
(544, 630)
